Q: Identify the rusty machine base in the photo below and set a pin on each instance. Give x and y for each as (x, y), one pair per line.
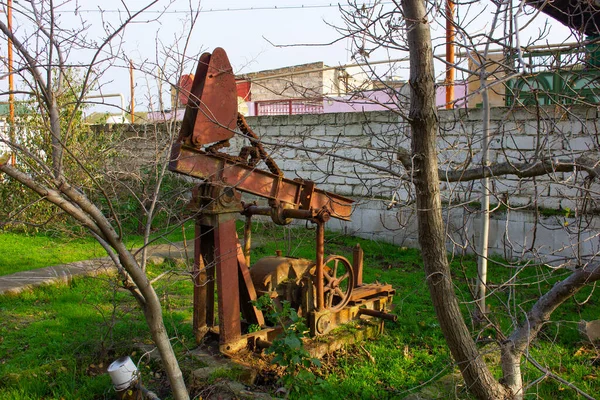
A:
(327, 291)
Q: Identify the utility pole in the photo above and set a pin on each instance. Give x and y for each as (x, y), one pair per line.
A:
(132, 89)
(449, 54)
(11, 82)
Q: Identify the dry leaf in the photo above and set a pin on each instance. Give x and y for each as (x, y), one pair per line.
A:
(406, 352)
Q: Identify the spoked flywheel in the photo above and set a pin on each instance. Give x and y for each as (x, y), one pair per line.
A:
(338, 282)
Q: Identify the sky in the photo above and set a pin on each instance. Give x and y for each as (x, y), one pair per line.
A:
(250, 32)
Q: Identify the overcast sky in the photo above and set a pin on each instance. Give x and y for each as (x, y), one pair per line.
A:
(244, 28)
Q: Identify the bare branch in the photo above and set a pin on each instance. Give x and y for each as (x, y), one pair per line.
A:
(522, 170)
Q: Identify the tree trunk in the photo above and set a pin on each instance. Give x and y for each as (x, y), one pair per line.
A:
(154, 319)
(513, 348)
(424, 125)
(87, 214)
(56, 139)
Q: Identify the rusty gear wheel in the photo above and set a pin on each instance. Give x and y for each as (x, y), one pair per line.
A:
(338, 282)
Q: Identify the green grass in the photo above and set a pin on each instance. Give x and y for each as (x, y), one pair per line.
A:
(56, 341)
(21, 252)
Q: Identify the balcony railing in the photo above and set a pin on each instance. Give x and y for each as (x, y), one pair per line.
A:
(289, 107)
(564, 77)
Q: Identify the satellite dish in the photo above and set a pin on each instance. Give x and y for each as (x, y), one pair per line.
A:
(242, 106)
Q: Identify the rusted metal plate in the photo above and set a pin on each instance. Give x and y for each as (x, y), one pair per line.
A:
(185, 88)
(217, 113)
(227, 282)
(247, 292)
(192, 162)
(369, 290)
(189, 118)
(269, 272)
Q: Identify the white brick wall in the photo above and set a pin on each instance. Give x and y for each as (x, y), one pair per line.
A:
(373, 137)
(344, 144)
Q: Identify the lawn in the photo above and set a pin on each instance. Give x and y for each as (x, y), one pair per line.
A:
(20, 252)
(56, 341)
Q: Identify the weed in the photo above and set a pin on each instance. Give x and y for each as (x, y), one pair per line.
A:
(288, 348)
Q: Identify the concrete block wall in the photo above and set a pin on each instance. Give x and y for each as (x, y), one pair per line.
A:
(136, 148)
(361, 143)
(355, 154)
(307, 81)
(555, 240)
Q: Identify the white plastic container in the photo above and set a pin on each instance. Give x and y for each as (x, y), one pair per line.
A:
(122, 373)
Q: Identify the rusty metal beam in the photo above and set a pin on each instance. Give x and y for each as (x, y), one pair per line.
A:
(204, 280)
(199, 278)
(196, 163)
(226, 259)
(247, 291)
(318, 277)
(357, 265)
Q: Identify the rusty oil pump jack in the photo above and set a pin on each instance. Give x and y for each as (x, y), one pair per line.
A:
(328, 292)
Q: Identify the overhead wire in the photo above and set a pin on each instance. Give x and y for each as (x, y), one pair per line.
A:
(213, 10)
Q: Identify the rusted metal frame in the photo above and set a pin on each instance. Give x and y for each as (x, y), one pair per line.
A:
(247, 291)
(357, 265)
(318, 278)
(204, 281)
(276, 188)
(192, 162)
(286, 213)
(217, 248)
(378, 314)
(247, 238)
(306, 194)
(227, 280)
(207, 250)
(199, 299)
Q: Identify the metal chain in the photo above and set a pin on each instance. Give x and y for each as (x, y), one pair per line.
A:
(217, 146)
(245, 129)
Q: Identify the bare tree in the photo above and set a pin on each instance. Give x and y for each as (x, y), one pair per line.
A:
(56, 170)
(405, 27)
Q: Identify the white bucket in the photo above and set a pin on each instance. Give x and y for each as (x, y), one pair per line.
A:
(122, 372)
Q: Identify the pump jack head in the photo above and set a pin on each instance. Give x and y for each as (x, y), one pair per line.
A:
(211, 112)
